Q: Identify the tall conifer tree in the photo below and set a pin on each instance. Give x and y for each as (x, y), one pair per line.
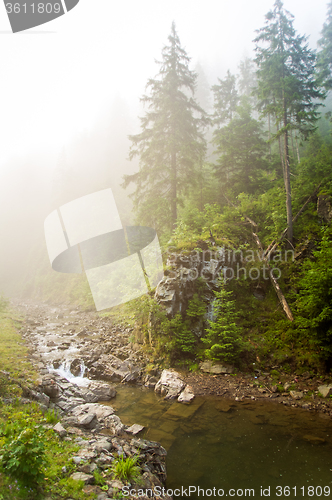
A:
(171, 144)
(286, 85)
(324, 60)
(226, 99)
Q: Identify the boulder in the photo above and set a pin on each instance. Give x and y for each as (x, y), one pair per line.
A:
(171, 382)
(60, 430)
(186, 395)
(102, 445)
(325, 390)
(81, 476)
(104, 392)
(296, 394)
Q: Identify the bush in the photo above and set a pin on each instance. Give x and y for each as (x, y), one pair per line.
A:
(23, 454)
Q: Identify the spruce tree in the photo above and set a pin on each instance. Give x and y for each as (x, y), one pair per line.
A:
(226, 99)
(286, 85)
(242, 150)
(171, 145)
(324, 59)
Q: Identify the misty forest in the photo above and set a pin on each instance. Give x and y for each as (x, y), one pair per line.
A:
(235, 177)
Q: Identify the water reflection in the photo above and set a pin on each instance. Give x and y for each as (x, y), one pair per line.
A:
(226, 444)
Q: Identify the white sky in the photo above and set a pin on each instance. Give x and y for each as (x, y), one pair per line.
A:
(57, 79)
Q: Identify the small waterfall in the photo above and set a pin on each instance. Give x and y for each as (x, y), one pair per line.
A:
(64, 371)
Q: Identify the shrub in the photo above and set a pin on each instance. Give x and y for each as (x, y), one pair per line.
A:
(23, 455)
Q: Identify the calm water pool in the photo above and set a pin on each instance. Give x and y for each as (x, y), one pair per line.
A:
(228, 445)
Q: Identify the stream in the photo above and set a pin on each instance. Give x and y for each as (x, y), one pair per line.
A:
(240, 448)
(228, 445)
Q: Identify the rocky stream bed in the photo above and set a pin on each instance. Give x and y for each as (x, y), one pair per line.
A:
(64, 342)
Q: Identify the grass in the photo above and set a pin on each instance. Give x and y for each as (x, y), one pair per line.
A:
(13, 355)
(126, 468)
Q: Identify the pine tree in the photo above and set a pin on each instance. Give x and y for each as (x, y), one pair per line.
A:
(224, 335)
(324, 59)
(242, 149)
(247, 77)
(286, 85)
(226, 99)
(171, 145)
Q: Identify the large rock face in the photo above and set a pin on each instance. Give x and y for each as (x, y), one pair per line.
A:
(179, 284)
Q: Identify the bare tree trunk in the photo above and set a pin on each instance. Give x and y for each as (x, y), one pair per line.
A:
(297, 149)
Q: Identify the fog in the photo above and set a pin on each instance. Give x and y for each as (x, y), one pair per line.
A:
(70, 98)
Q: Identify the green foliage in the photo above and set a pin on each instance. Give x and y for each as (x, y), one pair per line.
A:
(314, 302)
(324, 60)
(226, 99)
(242, 152)
(23, 453)
(224, 335)
(196, 307)
(126, 469)
(183, 338)
(51, 416)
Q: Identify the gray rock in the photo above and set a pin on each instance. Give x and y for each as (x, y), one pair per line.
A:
(60, 430)
(296, 394)
(102, 445)
(172, 382)
(186, 395)
(89, 421)
(135, 429)
(103, 392)
(81, 476)
(325, 390)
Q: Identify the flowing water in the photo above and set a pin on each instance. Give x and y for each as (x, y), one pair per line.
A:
(241, 449)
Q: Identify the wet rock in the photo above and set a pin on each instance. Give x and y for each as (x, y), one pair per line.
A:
(135, 429)
(104, 392)
(171, 382)
(76, 367)
(150, 381)
(81, 476)
(60, 430)
(314, 439)
(186, 395)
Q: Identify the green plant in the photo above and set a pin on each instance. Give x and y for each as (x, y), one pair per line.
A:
(51, 416)
(126, 468)
(99, 478)
(224, 335)
(23, 455)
